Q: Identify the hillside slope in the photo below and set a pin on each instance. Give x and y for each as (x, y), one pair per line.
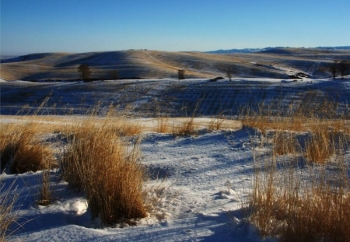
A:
(160, 64)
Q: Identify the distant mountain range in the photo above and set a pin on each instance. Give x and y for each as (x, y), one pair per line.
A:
(269, 49)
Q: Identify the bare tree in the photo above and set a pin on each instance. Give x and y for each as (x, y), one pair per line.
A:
(84, 70)
(229, 70)
(332, 68)
(343, 67)
(114, 74)
(181, 74)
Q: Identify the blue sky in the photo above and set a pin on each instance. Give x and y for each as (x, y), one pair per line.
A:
(32, 26)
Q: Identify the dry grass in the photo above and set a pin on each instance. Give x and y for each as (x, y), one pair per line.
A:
(122, 126)
(185, 128)
(320, 147)
(8, 213)
(314, 116)
(22, 150)
(295, 205)
(45, 194)
(163, 125)
(285, 143)
(303, 204)
(301, 188)
(216, 123)
(98, 162)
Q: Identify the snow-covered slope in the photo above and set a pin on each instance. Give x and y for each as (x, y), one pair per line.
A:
(202, 183)
(161, 64)
(168, 96)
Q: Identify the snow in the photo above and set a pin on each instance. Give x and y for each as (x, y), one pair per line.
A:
(201, 183)
(169, 95)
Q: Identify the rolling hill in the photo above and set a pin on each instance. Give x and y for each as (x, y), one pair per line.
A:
(135, 64)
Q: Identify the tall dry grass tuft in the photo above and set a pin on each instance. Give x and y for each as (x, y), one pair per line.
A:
(285, 143)
(99, 163)
(8, 213)
(124, 127)
(185, 128)
(118, 122)
(216, 122)
(319, 147)
(45, 194)
(22, 149)
(163, 125)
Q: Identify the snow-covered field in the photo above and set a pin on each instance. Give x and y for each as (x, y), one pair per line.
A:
(151, 97)
(202, 182)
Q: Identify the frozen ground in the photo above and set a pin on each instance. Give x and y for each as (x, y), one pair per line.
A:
(170, 97)
(201, 182)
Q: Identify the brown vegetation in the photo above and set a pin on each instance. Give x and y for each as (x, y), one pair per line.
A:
(301, 189)
(22, 149)
(100, 163)
(8, 213)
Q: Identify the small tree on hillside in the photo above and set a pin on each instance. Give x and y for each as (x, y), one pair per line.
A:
(333, 69)
(229, 70)
(84, 70)
(114, 74)
(343, 67)
(181, 74)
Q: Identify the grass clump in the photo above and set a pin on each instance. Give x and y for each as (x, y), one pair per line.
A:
(185, 128)
(216, 122)
(45, 194)
(8, 214)
(99, 163)
(163, 125)
(22, 149)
